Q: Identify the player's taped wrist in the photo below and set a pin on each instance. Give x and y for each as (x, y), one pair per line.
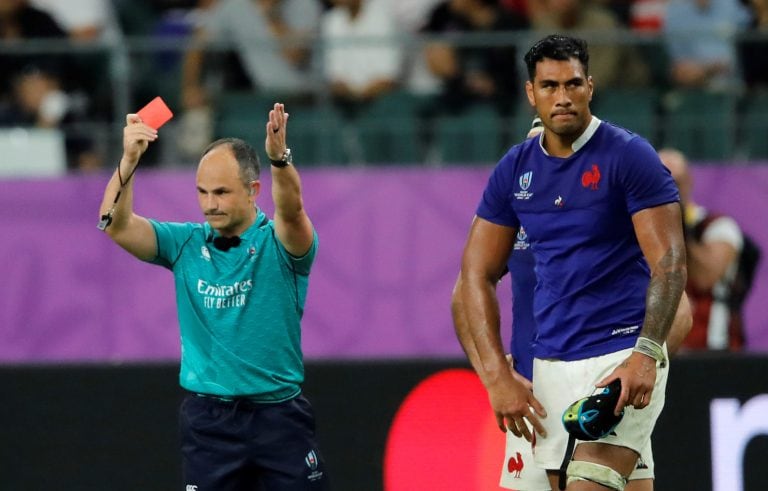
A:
(651, 348)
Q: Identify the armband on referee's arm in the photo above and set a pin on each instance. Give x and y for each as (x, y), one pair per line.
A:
(651, 348)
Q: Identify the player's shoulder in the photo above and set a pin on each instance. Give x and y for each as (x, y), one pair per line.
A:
(620, 135)
(619, 141)
(520, 151)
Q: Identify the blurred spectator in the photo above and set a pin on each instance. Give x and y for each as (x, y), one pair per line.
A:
(699, 35)
(38, 99)
(621, 9)
(40, 89)
(271, 40)
(647, 15)
(474, 73)
(410, 17)
(611, 63)
(91, 22)
(753, 51)
(18, 22)
(83, 20)
(360, 34)
(519, 7)
(713, 245)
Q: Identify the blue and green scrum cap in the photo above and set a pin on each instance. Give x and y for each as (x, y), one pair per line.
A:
(592, 418)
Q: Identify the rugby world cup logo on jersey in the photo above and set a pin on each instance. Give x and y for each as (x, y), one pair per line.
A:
(525, 181)
(312, 462)
(521, 241)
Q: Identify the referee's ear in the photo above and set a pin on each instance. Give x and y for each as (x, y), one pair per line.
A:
(254, 188)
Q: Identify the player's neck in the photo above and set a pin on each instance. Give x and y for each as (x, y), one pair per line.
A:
(559, 146)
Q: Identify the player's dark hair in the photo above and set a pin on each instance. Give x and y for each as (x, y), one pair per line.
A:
(557, 47)
(245, 155)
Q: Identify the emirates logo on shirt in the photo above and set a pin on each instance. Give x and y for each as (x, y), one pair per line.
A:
(591, 178)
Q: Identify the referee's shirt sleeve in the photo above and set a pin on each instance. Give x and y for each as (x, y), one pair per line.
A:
(171, 238)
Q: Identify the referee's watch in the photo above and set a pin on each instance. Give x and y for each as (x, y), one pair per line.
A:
(284, 161)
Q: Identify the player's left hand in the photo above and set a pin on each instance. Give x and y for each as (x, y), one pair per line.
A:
(277, 126)
(638, 377)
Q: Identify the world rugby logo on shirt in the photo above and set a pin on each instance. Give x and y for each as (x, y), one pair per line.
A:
(525, 183)
(525, 180)
(522, 240)
(311, 460)
(313, 463)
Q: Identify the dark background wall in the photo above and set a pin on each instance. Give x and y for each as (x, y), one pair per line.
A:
(98, 427)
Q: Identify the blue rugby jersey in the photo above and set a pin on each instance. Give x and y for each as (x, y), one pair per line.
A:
(521, 270)
(577, 212)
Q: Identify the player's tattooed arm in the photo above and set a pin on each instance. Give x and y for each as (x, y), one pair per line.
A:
(663, 295)
(660, 235)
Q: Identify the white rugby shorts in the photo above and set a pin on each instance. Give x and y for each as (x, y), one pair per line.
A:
(557, 384)
(519, 471)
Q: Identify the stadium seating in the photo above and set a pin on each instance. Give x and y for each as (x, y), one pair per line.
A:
(389, 129)
(472, 137)
(754, 125)
(236, 113)
(317, 135)
(700, 123)
(315, 130)
(635, 109)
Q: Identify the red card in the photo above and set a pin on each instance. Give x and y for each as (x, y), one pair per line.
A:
(155, 114)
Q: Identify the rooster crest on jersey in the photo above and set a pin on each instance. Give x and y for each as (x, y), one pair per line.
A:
(591, 178)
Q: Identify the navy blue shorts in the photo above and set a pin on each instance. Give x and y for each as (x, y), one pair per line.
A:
(241, 445)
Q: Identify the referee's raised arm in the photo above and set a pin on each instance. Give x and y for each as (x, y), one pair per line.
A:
(292, 224)
(116, 217)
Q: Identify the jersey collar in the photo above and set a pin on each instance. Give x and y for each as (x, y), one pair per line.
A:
(261, 220)
(581, 140)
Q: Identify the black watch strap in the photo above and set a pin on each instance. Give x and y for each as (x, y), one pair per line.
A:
(284, 161)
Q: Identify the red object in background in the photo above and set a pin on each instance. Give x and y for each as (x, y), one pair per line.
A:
(648, 15)
(516, 6)
(155, 114)
(444, 436)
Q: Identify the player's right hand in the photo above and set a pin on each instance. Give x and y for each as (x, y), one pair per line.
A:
(526, 383)
(136, 138)
(515, 408)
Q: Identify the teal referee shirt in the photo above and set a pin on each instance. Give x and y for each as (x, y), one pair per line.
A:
(239, 310)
